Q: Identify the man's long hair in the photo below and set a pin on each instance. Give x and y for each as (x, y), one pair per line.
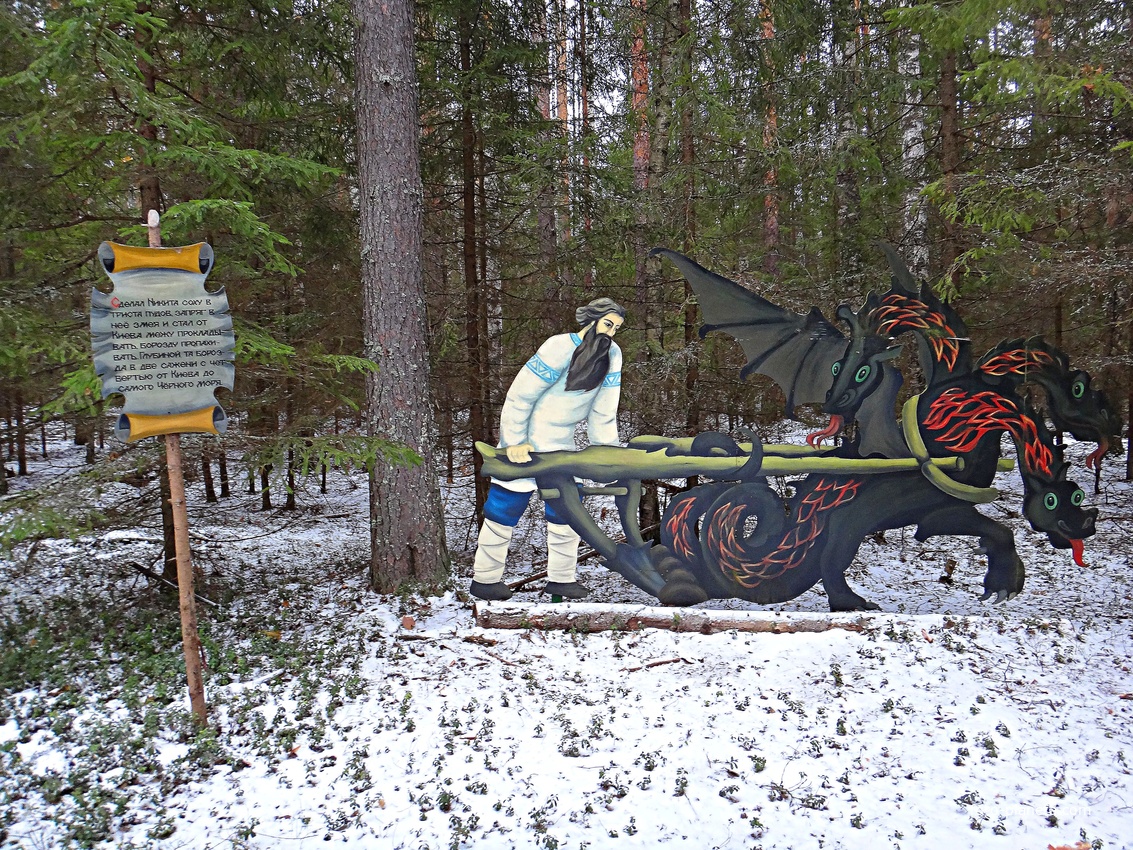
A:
(596, 309)
(591, 360)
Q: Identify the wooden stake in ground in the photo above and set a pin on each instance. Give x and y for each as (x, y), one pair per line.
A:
(190, 634)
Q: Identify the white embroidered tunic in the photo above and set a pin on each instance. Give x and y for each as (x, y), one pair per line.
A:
(539, 411)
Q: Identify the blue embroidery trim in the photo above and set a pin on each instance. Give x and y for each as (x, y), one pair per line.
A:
(536, 365)
(614, 379)
(576, 339)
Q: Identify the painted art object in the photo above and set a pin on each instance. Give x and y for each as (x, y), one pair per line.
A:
(735, 537)
(574, 377)
(162, 340)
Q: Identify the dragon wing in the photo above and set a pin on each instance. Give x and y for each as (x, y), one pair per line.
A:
(795, 351)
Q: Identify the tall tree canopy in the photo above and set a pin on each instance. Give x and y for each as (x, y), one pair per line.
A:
(775, 140)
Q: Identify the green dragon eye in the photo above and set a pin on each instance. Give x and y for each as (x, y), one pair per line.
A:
(862, 374)
(1078, 389)
(835, 369)
(1050, 501)
(1077, 498)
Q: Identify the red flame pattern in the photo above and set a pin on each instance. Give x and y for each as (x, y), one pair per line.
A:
(958, 421)
(900, 313)
(1018, 361)
(723, 534)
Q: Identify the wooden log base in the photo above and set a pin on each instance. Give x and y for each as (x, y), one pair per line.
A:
(600, 617)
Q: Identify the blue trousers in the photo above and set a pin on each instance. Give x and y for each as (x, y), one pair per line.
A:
(507, 506)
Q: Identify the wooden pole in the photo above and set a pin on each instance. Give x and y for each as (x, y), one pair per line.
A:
(190, 636)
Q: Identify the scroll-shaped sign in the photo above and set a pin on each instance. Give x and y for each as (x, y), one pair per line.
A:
(162, 340)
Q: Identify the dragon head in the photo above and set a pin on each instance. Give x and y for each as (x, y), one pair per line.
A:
(1073, 405)
(858, 373)
(1054, 507)
(1085, 413)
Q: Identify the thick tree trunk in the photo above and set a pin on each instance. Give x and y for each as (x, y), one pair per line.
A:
(406, 524)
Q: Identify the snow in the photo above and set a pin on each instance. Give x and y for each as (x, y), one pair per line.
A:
(945, 719)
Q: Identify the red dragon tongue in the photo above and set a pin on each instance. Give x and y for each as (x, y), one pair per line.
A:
(1078, 549)
(815, 440)
(1097, 454)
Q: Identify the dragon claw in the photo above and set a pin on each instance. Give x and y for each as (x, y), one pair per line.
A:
(1000, 596)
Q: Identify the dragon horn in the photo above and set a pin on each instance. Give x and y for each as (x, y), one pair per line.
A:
(902, 278)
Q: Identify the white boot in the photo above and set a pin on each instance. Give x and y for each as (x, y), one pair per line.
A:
(562, 553)
(491, 556)
(562, 562)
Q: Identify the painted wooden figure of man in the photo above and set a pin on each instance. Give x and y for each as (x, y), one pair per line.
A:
(572, 378)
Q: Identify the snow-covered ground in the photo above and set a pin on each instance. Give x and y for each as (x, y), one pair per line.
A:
(344, 718)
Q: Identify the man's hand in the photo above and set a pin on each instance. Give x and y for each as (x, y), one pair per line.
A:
(520, 454)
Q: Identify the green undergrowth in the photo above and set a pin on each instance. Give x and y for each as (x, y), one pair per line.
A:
(98, 737)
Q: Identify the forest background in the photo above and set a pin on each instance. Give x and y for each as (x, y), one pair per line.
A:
(775, 142)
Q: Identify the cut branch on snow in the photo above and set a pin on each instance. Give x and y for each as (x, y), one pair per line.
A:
(594, 617)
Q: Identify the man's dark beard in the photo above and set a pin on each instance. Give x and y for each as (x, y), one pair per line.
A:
(590, 363)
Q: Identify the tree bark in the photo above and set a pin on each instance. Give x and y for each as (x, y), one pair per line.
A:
(289, 503)
(688, 218)
(168, 536)
(770, 141)
(1129, 389)
(206, 474)
(590, 617)
(949, 155)
(586, 139)
(225, 492)
(406, 524)
(546, 230)
(649, 154)
(475, 341)
(149, 185)
(265, 487)
(21, 433)
(562, 116)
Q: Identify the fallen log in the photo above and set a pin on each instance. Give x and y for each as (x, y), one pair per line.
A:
(598, 617)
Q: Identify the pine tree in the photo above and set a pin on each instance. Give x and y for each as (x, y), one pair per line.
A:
(406, 524)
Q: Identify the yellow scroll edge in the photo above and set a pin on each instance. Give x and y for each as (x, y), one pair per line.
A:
(138, 426)
(128, 257)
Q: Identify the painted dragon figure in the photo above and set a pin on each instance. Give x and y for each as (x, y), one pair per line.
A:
(709, 547)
